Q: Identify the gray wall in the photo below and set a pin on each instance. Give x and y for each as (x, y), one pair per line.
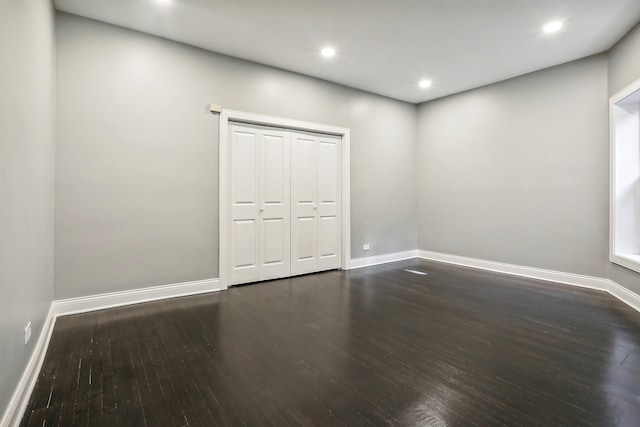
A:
(514, 172)
(624, 69)
(136, 181)
(624, 61)
(26, 181)
(517, 172)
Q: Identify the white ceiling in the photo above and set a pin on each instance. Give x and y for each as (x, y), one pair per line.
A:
(383, 46)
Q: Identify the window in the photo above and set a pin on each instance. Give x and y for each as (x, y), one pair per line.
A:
(624, 109)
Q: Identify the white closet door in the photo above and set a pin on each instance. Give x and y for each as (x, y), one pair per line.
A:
(245, 205)
(260, 195)
(275, 210)
(304, 209)
(329, 183)
(315, 203)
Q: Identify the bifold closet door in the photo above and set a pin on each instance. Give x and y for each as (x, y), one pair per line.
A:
(315, 203)
(261, 204)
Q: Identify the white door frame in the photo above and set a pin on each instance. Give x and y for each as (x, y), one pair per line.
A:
(224, 180)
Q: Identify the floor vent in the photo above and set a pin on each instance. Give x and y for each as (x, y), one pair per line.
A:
(421, 273)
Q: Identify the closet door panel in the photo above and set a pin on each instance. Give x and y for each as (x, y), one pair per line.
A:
(304, 171)
(328, 245)
(328, 172)
(305, 239)
(273, 251)
(245, 255)
(304, 189)
(275, 184)
(275, 208)
(244, 205)
(329, 226)
(244, 188)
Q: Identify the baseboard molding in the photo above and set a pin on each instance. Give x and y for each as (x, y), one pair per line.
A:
(519, 270)
(69, 306)
(597, 283)
(382, 259)
(18, 403)
(625, 295)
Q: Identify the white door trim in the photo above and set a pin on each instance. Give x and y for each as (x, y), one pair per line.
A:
(225, 182)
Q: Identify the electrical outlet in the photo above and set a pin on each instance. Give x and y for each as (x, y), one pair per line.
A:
(366, 247)
(27, 333)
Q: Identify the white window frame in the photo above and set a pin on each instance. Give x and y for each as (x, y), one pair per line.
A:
(624, 220)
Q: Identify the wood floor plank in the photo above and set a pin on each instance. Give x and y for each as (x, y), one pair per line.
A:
(373, 346)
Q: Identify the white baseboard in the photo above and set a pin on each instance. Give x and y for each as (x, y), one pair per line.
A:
(382, 259)
(20, 399)
(600, 284)
(624, 295)
(116, 299)
(519, 270)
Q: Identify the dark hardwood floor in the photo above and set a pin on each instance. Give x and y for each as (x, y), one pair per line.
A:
(374, 346)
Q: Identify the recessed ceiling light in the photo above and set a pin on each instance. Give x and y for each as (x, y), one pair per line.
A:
(328, 52)
(425, 84)
(552, 27)
(165, 2)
